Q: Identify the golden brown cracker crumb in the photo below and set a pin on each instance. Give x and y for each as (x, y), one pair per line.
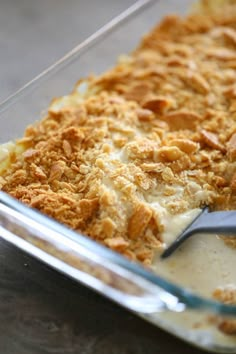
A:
(197, 82)
(179, 120)
(139, 220)
(185, 145)
(227, 295)
(231, 147)
(157, 104)
(211, 140)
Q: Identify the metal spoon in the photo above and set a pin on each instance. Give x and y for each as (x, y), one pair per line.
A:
(220, 222)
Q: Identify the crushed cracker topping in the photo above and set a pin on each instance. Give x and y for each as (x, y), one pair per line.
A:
(227, 295)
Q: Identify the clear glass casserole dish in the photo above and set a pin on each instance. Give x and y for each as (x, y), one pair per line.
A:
(166, 305)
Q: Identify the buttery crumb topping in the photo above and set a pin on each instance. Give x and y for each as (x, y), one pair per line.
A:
(153, 137)
(227, 295)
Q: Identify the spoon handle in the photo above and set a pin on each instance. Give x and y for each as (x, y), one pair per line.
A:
(220, 222)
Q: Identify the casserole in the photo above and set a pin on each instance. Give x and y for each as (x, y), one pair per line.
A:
(127, 283)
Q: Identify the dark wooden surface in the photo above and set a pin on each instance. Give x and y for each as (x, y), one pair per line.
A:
(42, 312)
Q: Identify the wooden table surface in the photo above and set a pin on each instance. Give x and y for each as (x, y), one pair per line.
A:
(40, 310)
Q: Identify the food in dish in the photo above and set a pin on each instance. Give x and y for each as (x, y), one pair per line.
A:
(139, 149)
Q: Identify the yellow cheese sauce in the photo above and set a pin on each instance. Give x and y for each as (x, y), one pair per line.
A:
(202, 263)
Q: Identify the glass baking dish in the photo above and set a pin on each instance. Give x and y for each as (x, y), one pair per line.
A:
(157, 300)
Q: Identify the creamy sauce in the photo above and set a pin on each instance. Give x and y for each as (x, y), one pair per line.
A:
(202, 264)
(194, 327)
